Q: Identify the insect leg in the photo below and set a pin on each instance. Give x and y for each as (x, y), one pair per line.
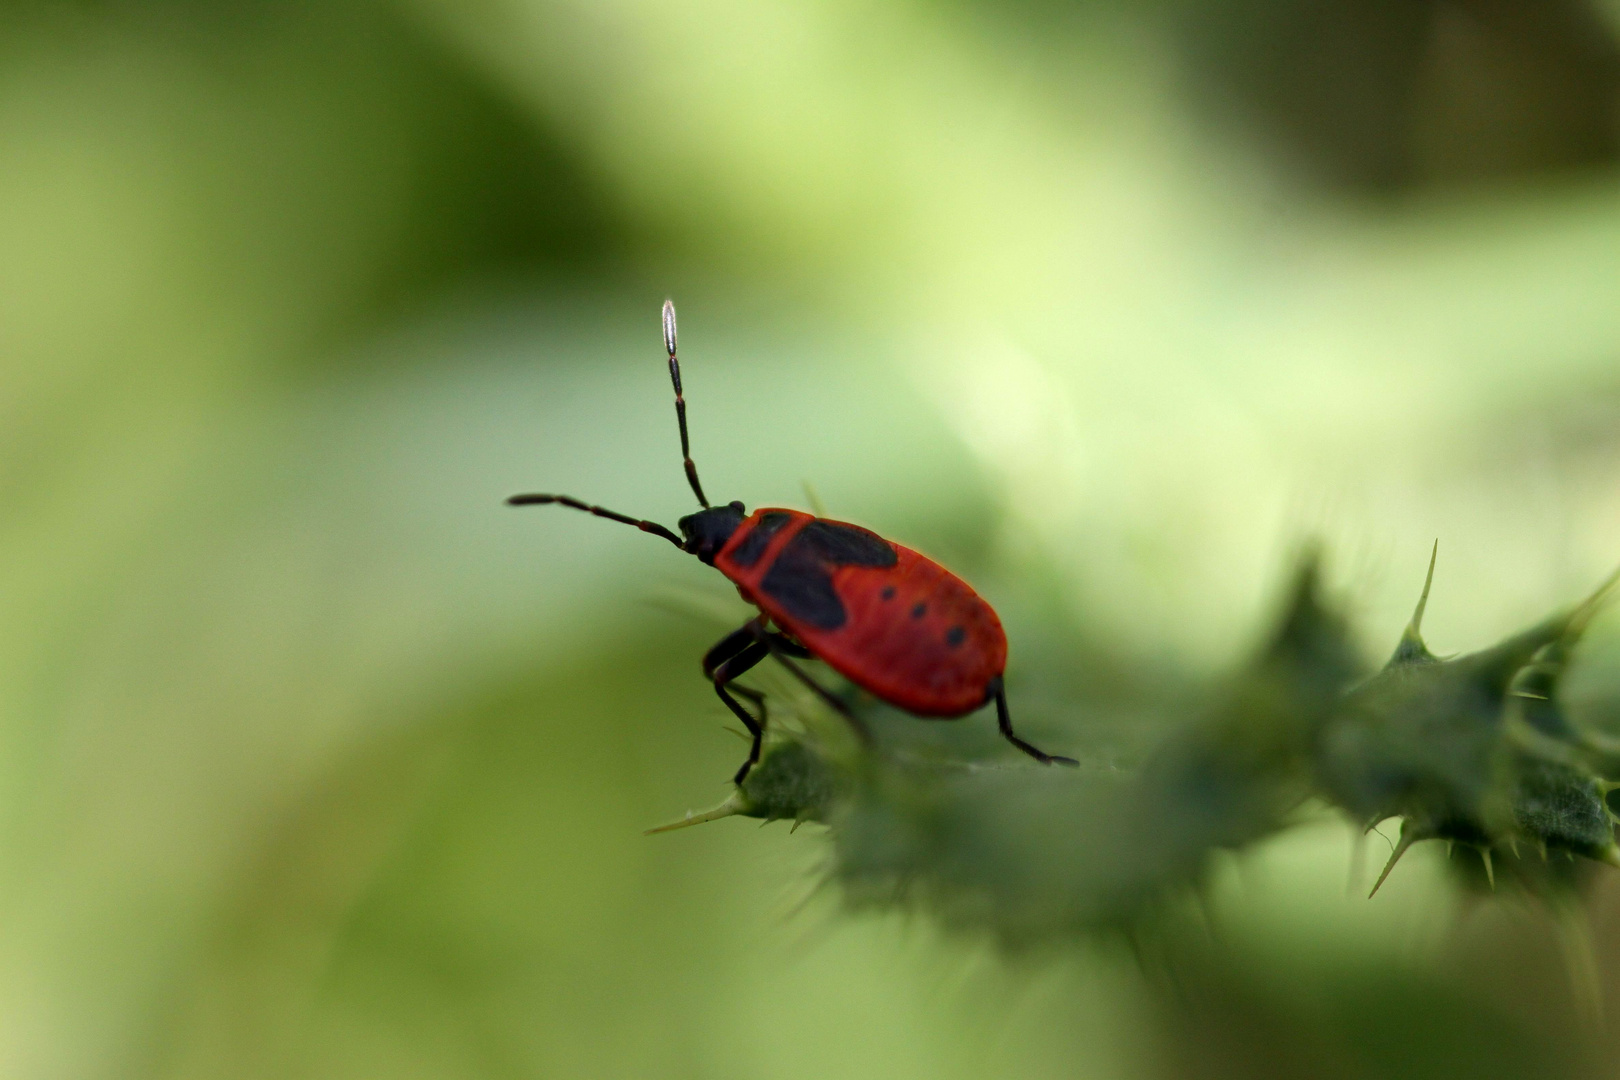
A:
(784, 649)
(724, 662)
(736, 653)
(999, 692)
(756, 696)
(729, 646)
(785, 645)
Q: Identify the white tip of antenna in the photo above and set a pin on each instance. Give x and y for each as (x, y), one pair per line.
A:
(669, 326)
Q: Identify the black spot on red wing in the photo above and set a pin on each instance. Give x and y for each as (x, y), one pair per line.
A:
(845, 545)
(802, 584)
(754, 544)
(955, 636)
(919, 611)
(888, 592)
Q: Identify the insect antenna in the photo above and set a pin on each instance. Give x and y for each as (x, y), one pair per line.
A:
(680, 403)
(601, 512)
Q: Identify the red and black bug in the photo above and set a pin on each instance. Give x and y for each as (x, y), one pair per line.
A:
(891, 621)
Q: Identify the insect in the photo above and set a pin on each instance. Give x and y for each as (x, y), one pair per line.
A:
(891, 621)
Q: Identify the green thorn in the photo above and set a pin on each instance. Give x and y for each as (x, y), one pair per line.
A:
(1411, 647)
(733, 805)
(1591, 605)
(813, 497)
(1416, 624)
(1490, 871)
(1408, 838)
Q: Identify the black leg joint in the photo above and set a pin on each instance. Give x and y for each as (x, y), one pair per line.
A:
(735, 654)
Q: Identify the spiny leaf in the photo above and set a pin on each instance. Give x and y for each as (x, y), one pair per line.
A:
(1475, 749)
(1423, 739)
(1031, 852)
(792, 781)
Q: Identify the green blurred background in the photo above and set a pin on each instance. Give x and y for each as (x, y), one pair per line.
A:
(316, 761)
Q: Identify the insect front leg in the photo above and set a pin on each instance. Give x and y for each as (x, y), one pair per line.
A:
(735, 654)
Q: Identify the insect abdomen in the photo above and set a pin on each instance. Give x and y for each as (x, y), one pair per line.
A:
(920, 638)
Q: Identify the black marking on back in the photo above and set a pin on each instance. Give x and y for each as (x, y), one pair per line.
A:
(801, 577)
(888, 592)
(845, 545)
(919, 610)
(754, 544)
(802, 584)
(955, 636)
